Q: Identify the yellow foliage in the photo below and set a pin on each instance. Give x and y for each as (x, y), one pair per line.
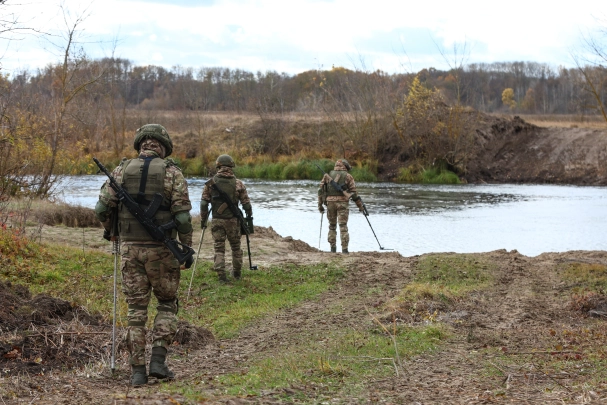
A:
(508, 98)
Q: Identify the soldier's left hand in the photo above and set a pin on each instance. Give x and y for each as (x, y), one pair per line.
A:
(187, 264)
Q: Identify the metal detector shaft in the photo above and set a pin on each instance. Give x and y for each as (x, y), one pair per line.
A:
(380, 246)
(116, 254)
(251, 267)
(196, 261)
(320, 233)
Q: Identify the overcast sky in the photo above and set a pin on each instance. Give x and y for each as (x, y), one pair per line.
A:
(293, 36)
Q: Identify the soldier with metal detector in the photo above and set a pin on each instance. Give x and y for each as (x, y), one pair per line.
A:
(335, 191)
(149, 195)
(224, 191)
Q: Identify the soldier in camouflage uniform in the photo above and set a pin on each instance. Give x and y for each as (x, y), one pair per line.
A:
(224, 224)
(338, 209)
(147, 265)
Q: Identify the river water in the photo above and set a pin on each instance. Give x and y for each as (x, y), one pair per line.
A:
(416, 219)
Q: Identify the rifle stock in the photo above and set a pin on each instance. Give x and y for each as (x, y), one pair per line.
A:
(334, 184)
(182, 253)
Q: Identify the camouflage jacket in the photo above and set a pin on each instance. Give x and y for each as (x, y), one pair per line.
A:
(325, 184)
(241, 190)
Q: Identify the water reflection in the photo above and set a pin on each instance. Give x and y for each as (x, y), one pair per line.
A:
(415, 219)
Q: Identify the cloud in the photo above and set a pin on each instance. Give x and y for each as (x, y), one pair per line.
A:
(298, 35)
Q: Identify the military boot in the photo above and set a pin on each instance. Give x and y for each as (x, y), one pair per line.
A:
(333, 249)
(138, 376)
(222, 277)
(344, 251)
(237, 274)
(158, 367)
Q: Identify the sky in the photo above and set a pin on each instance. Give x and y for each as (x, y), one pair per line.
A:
(292, 36)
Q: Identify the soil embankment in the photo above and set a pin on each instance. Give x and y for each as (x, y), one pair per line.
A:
(510, 150)
(504, 339)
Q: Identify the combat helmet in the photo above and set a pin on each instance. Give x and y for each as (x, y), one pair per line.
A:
(224, 160)
(346, 164)
(154, 131)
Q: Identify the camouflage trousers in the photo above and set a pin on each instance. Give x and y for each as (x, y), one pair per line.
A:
(338, 213)
(146, 269)
(229, 229)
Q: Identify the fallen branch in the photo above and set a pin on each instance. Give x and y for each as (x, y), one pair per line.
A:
(393, 342)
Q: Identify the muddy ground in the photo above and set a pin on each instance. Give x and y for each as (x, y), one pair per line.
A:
(524, 314)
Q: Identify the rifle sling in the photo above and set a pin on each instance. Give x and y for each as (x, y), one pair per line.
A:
(144, 179)
(156, 203)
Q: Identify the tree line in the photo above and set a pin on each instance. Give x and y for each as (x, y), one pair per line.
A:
(536, 87)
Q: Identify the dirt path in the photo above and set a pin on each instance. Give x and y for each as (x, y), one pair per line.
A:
(500, 338)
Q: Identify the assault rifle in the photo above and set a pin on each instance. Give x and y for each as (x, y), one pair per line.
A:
(182, 253)
(237, 213)
(334, 184)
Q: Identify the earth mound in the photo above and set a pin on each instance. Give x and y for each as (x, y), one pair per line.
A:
(42, 333)
(511, 150)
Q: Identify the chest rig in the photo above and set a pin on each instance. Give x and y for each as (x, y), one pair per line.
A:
(340, 178)
(142, 178)
(218, 206)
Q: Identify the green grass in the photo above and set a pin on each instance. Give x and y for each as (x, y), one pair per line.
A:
(456, 273)
(85, 278)
(227, 308)
(340, 360)
(297, 170)
(433, 175)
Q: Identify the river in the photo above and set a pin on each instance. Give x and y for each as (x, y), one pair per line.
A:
(417, 219)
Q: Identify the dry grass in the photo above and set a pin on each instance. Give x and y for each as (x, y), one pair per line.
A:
(564, 121)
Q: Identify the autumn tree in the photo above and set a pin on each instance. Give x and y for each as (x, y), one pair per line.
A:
(70, 79)
(435, 133)
(508, 98)
(528, 103)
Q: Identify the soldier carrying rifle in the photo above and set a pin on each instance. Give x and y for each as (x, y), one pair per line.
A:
(149, 195)
(224, 191)
(335, 190)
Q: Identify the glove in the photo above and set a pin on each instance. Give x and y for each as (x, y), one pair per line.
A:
(188, 262)
(359, 204)
(107, 235)
(321, 209)
(203, 220)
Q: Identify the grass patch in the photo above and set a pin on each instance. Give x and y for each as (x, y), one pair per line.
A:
(586, 276)
(439, 282)
(340, 360)
(433, 175)
(84, 277)
(302, 169)
(81, 277)
(453, 274)
(227, 308)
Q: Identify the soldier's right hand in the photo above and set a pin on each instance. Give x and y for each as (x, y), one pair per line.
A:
(107, 235)
(321, 209)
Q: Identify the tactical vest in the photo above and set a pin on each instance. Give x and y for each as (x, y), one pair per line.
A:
(218, 206)
(340, 178)
(142, 178)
